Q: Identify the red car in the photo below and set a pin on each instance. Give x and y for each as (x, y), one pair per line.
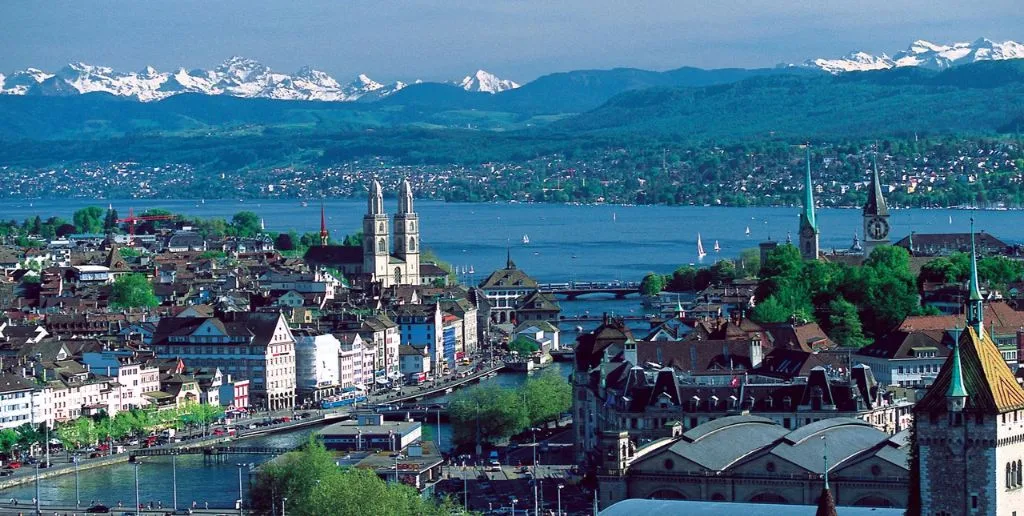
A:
(13, 465)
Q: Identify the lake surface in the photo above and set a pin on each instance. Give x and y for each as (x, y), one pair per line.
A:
(586, 243)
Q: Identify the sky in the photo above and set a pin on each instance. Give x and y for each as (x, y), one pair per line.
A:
(448, 39)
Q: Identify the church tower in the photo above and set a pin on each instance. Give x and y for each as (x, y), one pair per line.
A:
(407, 239)
(969, 439)
(376, 238)
(876, 213)
(808, 224)
(325, 237)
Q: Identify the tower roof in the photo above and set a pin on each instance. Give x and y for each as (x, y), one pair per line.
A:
(405, 198)
(807, 216)
(375, 199)
(975, 293)
(876, 202)
(991, 385)
(956, 376)
(826, 504)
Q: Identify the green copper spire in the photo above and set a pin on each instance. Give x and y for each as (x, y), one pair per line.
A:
(956, 381)
(824, 453)
(807, 217)
(975, 314)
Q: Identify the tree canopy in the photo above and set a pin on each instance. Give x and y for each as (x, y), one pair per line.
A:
(132, 291)
(496, 412)
(847, 301)
(315, 486)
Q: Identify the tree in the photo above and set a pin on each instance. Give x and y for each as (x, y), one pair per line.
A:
(845, 324)
(246, 223)
(652, 284)
(89, 219)
(748, 264)
(284, 242)
(683, 279)
(202, 414)
(486, 414)
(64, 230)
(547, 397)
(110, 221)
(8, 440)
(770, 311)
(132, 291)
(315, 486)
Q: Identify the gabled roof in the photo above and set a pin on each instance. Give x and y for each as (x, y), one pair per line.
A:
(991, 386)
(509, 277)
(902, 344)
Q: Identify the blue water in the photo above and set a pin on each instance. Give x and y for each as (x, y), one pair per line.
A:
(568, 242)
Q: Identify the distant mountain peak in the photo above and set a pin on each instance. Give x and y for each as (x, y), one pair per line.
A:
(486, 82)
(923, 53)
(236, 76)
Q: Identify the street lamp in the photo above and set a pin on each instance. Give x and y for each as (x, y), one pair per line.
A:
(560, 487)
(78, 493)
(174, 480)
(283, 502)
(514, 500)
(138, 501)
(240, 488)
(37, 490)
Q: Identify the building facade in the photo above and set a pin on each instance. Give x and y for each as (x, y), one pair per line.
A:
(317, 373)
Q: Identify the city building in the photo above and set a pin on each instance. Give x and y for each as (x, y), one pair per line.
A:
(422, 327)
(316, 365)
(507, 289)
(752, 459)
(16, 400)
(904, 359)
(416, 367)
(970, 425)
(253, 345)
(134, 378)
(355, 361)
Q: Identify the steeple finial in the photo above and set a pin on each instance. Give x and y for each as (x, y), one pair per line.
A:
(975, 315)
(324, 236)
(826, 503)
(509, 264)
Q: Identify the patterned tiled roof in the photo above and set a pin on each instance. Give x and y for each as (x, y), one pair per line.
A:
(991, 386)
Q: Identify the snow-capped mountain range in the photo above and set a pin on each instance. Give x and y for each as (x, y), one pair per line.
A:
(237, 76)
(924, 54)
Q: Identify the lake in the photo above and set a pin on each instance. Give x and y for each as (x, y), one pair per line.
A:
(567, 242)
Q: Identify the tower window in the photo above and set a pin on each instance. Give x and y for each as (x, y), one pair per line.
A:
(382, 245)
(412, 244)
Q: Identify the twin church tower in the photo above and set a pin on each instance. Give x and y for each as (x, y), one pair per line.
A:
(876, 216)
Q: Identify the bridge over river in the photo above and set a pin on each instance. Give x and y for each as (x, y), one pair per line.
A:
(574, 289)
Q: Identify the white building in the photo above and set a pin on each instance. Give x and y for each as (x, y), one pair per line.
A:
(317, 368)
(355, 361)
(16, 400)
(133, 378)
(415, 364)
(543, 333)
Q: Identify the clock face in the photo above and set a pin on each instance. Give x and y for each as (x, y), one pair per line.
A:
(878, 228)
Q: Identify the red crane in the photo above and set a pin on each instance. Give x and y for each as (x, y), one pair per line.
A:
(131, 219)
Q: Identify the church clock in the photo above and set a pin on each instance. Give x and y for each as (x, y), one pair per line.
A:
(878, 228)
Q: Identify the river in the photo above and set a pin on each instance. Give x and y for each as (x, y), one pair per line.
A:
(587, 243)
(199, 479)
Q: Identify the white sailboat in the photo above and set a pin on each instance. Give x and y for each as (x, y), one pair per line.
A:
(747, 231)
(700, 248)
(717, 247)
(950, 219)
(526, 239)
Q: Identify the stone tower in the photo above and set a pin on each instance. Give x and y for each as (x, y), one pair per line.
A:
(970, 426)
(407, 238)
(376, 238)
(808, 224)
(876, 214)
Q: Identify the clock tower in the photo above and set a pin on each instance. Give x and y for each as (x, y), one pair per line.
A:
(808, 223)
(876, 214)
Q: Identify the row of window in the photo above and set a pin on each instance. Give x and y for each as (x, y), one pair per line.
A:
(1013, 475)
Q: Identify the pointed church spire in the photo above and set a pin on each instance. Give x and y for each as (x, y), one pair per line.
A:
(509, 264)
(975, 315)
(807, 217)
(375, 199)
(876, 202)
(324, 236)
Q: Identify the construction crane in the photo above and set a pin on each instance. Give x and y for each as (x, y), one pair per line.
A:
(131, 219)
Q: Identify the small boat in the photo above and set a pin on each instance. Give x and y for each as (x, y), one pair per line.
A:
(614, 217)
(471, 271)
(526, 239)
(305, 204)
(717, 247)
(700, 248)
(950, 219)
(748, 231)
(448, 390)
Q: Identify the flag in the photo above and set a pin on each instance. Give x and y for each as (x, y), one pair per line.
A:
(735, 382)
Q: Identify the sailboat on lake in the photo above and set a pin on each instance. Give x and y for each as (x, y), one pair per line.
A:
(717, 247)
(747, 232)
(700, 248)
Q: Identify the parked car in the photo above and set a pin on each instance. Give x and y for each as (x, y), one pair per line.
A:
(13, 465)
(98, 509)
